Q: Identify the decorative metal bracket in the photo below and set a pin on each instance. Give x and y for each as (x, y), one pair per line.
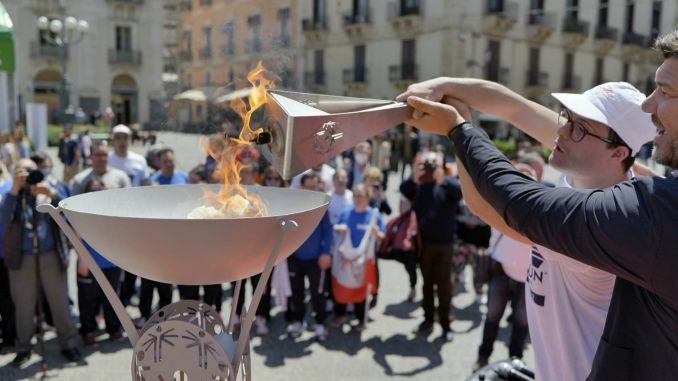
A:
(324, 139)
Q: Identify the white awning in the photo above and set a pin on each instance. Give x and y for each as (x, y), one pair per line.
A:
(191, 95)
(242, 93)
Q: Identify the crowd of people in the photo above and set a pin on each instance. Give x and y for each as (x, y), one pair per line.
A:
(586, 264)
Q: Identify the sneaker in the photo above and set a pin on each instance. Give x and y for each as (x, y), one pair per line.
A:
(481, 299)
(71, 354)
(412, 297)
(480, 363)
(295, 329)
(320, 332)
(359, 327)
(21, 358)
(425, 328)
(329, 306)
(338, 321)
(447, 335)
(140, 322)
(116, 337)
(89, 341)
(260, 326)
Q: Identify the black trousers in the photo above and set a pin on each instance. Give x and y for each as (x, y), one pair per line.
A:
(90, 297)
(213, 295)
(300, 270)
(7, 325)
(503, 289)
(436, 270)
(189, 292)
(146, 296)
(264, 307)
(128, 287)
(358, 310)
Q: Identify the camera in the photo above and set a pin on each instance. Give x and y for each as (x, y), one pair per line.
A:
(34, 176)
(428, 167)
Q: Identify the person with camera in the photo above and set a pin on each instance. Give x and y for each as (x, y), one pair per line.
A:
(435, 201)
(36, 255)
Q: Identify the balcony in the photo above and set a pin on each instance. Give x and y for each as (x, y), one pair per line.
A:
(43, 7)
(605, 38)
(356, 80)
(499, 17)
(404, 16)
(206, 53)
(403, 75)
(536, 83)
(253, 46)
(227, 50)
(575, 32)
(124, 57)
(45, 51)
(539, 26)
(571, 83)
(357, 24)
(186, 55)
(633, 45)
(205, 3)
(283, 41)
(315, 30)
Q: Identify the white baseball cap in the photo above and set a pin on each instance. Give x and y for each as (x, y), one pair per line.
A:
(616, 105)
(121, 129)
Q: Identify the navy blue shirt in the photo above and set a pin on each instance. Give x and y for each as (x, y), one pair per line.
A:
(4, 189)
(318, 243)
(436, 206)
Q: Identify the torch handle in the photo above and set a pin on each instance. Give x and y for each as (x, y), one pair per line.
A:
(86, 257)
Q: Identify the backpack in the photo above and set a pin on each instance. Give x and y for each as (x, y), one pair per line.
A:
(401, 237)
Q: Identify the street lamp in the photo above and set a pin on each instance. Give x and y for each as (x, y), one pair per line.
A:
(64, 32)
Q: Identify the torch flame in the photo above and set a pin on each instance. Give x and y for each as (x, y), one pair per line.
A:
(233, 199)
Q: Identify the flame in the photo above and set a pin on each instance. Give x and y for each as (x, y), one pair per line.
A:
(233, 199)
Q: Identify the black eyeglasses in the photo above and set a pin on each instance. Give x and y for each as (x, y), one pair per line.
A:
(577, 130)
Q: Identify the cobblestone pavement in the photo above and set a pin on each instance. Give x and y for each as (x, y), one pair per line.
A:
(386, 350)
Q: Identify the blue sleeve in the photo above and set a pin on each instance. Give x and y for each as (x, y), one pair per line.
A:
(343, 218)
(623, 230)
(327, 233)
(380, 222)
(7, 208)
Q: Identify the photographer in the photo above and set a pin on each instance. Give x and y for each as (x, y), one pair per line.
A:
(34, 247)
(435, 199)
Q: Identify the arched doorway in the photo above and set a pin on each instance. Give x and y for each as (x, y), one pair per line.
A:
(124, 99)
(46, 90)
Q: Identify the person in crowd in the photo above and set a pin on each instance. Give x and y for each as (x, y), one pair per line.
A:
(23, 145)
(324, 171)
(612, 229)
(8, 150)
(374, 179)
(44, 163)
(361, 227)
(507, 270)
(341, 198)
(134, 165)
(31, 237)
(167, 173)
(381, 156)
(90, 296)
(436, 202)
(70, 153)
(7, 321)
(86, 147)
(311, 260)
(359, 164)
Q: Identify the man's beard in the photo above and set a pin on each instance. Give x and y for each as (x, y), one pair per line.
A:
(668, 157)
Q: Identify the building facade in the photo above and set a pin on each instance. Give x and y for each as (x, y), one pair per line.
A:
(117, 64)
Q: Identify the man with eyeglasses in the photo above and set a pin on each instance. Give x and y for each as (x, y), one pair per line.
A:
(627, 230)
(594, 140)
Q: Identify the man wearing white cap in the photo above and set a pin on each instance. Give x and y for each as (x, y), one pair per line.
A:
(594, 140)
(127, 161)
(628, 230)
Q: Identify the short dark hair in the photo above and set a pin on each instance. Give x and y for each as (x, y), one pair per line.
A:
(667, 44)
(618, 141)
(307, 176)
(164, 151)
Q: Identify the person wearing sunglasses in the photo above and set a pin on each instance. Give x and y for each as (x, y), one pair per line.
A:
(594, 140)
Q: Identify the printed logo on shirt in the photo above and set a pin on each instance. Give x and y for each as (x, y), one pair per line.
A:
(535, 276)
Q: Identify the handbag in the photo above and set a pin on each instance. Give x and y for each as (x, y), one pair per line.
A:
(348, 264)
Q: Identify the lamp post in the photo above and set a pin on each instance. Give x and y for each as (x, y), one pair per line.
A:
(64, 32)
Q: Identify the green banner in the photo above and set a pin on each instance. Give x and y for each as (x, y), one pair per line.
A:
(6, 41)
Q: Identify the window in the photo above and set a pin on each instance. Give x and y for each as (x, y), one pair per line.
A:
(208, 77)
(284, 23)
(207, 41)
(255, 32)
(536, 15)
(123, 38)
(533, 72)
(626, 71)
(360, 9)
(228, 29)
(319, 11)
(492, 57)
(598, 76)
(359, 63)
(602, 13)
(572, 9)
(319, 66)
(568, 70)
(188, 40)
(630, 8)
(408, 59)
(656, 20)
